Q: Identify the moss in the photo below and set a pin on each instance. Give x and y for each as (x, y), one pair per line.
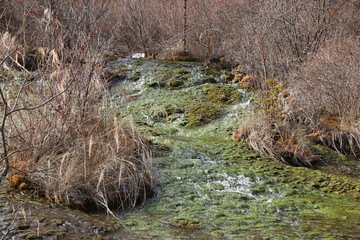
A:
(165, 76)
(222, 94)
(157, 83)
(184, 222)
(217, 186)
(210, 72)
(23, 226)
(174, 84)
(227, 77)
(50, 232)
(135, 76)
(58, 222)
(61, 234)
(30, 236)
(264, 200)
(200, 114)
(181, 71)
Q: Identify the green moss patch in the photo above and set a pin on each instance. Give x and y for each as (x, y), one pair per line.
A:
(199, 114)
(222, 94)
(174, 84)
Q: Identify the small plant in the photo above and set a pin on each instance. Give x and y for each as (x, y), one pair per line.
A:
(268, 100)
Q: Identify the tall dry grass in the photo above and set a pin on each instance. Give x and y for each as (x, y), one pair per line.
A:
(276, 140)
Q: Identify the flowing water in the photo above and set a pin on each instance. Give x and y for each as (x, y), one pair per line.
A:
(207, 185)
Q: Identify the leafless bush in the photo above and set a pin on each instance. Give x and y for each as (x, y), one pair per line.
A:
(69, 150)
(272, 38)
(327, 91)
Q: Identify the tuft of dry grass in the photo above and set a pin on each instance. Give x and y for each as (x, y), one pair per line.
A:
(274, 139)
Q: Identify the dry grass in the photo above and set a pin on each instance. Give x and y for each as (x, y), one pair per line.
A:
(274, 139)
(73, 149)
(327, 94)
(60, 135)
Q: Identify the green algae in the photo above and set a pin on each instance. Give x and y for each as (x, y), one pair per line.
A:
(227, 95)
(281, 211)
(199, 114)
(174, 84)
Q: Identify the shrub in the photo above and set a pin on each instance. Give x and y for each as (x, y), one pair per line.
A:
(59, 130)
(327, 93)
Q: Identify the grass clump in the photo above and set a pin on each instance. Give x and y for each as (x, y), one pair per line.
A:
(267, 131)
(275, 139)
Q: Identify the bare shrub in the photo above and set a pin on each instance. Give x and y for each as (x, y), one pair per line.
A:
(327, 92)
(73, 152)
(272, 38)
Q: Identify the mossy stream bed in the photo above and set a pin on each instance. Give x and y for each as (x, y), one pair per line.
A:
(208, 186)
(211, 187)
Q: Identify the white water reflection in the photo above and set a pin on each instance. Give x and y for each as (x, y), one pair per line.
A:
(138, 55)
(229, 184)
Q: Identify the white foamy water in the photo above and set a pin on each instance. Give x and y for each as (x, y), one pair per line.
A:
(238, 184)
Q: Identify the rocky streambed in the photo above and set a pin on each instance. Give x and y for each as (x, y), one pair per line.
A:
(207, 185)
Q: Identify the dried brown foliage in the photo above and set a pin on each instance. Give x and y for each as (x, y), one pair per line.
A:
(327, 93)
(276, 140)
(58, 129)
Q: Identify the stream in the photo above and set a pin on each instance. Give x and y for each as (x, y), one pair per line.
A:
(208, 186)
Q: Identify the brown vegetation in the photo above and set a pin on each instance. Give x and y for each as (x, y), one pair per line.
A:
(328, 87)
(58, 132)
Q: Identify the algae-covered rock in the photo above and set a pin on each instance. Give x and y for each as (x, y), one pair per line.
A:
(223, 94)
(200, 114)
(174, 84)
